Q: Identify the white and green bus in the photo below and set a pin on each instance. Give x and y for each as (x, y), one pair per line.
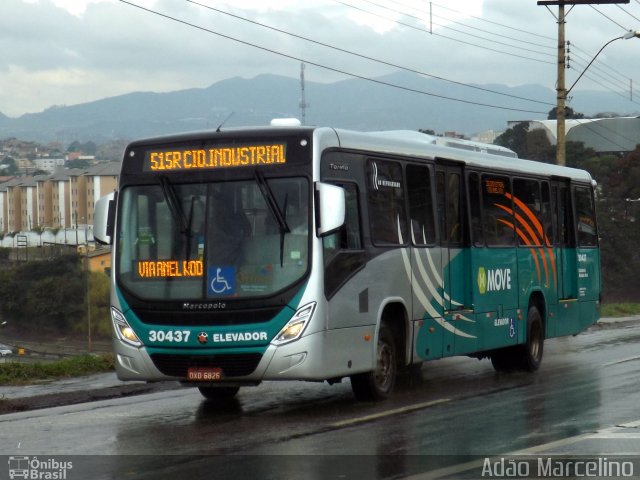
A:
(300, 253)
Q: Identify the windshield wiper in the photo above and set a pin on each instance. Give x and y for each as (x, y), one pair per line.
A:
(174, 205)
(274, 208)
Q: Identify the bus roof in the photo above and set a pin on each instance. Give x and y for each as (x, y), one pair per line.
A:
(397, 142)
(421, 145)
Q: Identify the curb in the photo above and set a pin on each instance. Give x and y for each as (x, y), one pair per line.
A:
(82, 396)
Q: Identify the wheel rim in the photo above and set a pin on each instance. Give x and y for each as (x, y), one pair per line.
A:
(535, 345)
(384, 371)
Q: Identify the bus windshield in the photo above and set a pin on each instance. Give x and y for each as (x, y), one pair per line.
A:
(203, 241)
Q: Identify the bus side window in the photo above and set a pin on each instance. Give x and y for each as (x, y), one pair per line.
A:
(586, 218)
(423, 229)
(528, 207)
(547, 223)
(386, 203)
(498, 219)
(564, 230)
(475, 203)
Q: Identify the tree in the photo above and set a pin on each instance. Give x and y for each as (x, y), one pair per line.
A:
(538, 147)
(39, 229)
(515, 138)
(99, 304)
(577, 155)
(8, 166)
(78, 163)
(618, 180)
(568, 113)
(43, 295)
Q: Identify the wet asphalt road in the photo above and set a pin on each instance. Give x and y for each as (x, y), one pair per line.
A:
(583, 400)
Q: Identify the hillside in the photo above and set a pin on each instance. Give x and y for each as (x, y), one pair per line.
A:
(353, 103)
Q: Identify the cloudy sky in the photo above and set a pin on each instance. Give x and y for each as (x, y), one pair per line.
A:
(64, 52)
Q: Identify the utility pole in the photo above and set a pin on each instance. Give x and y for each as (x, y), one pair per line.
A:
(561, 150)
(561, 99)
(303, 103)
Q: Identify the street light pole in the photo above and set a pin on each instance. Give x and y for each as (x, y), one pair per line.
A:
(626, 36)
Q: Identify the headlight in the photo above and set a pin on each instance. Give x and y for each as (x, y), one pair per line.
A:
(123, 329)
(294, 327)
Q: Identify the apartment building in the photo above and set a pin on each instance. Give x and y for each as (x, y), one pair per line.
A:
(100, 180)
(64, 199)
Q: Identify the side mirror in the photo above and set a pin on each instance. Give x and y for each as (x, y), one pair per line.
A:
(103, 218)
(330, 204)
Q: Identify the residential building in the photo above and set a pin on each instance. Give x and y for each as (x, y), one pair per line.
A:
(64, 199)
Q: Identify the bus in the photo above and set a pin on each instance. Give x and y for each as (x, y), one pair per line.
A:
(319, 254)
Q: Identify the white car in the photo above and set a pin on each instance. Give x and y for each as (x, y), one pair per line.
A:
(5, 350)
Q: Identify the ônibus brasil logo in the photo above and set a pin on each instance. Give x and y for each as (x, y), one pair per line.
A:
(494, 279)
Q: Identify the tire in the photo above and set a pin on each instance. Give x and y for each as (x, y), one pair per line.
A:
(219, 393)
(531, 351)
(378, 384)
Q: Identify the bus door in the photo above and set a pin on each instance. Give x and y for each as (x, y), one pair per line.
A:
(460, 334)
(565, 240)
(566, 317)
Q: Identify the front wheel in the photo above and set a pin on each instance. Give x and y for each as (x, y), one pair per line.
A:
(378, 384)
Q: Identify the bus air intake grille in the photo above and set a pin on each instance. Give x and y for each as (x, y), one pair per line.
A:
(231, 365)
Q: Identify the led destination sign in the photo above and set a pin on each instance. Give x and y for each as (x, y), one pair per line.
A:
(169, 268)
(180, 159)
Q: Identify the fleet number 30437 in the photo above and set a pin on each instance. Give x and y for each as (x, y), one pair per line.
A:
(169, 335)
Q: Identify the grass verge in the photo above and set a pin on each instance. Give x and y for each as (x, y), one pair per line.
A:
(619, 309)
(15, 373)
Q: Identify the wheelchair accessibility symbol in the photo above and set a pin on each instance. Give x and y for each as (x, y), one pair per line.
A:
(221, 280)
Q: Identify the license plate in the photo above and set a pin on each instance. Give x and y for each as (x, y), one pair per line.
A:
(199, 374)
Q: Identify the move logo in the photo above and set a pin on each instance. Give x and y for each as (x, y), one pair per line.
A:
(494, 279)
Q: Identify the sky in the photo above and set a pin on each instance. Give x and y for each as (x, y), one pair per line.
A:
(66, 52)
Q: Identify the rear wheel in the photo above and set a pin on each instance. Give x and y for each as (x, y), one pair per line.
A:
(218, 393)
(531, 351)
(378, 384)
(527, 356)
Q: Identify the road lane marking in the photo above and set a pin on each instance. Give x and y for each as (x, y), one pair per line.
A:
(616, 432)
(624, 360)
(388, 413)
(634, 424)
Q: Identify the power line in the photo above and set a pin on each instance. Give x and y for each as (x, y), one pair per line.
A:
(609, 18)
(495, 23)
(628, 13)
(599, 64)
(582, 62)
(366, 57)
(502, 52)
(326, 67)
(431, 15)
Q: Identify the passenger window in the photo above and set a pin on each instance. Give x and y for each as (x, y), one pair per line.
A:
(449, 194)
(423, 231)
(498, 211)
(387, 215)
(528, 208)
(547, 224)
(477, 236)
(586, 218)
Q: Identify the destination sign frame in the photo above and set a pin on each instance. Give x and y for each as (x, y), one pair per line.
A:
(181, 159)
